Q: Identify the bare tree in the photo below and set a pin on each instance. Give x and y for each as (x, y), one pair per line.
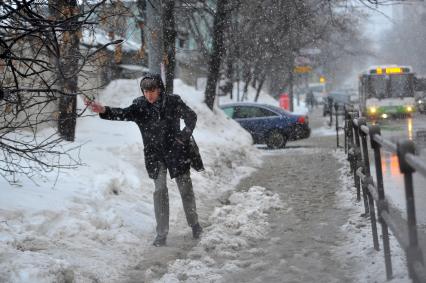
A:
(154, 35)
(404, 43)
(66, 57)
(169, 35)
(40, 61)
(219, 25)
(273, 33)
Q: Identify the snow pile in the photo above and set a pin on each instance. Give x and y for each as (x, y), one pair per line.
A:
(94, 223)
(233, 228)
(359, 246)
(324, 131)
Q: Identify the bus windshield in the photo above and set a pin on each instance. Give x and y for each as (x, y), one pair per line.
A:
(377, 87)
(400, 86)
(392, 86)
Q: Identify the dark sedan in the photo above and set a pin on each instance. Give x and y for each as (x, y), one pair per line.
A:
(268, 124)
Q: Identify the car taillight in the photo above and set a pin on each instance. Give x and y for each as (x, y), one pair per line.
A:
(301, 120)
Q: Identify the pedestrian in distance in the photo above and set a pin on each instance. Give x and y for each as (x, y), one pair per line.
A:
(310, 100)
(166, 147)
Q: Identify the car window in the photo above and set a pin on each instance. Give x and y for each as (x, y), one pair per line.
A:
(280, 110)
(266, 113)
(242, 112)
(229, 111)
(252, 112)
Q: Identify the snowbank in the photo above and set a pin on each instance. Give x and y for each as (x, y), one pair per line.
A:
(95, 222)
(233, 227)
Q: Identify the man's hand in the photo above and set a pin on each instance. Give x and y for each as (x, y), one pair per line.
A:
(179, 141)
(94, 106)
(183, 136)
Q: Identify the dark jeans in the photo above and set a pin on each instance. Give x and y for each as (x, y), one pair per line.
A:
(161, 200)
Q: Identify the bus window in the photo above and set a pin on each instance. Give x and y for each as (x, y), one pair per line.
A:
(377, 87)
(400, 86)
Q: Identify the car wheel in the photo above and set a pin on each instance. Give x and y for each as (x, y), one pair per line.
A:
(276, 140)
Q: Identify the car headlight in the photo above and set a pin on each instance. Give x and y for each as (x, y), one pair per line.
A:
(419, 101)
(384, 115)
(372, 110)
(409, 108)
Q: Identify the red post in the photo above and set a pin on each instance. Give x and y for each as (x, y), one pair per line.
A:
(284, 101)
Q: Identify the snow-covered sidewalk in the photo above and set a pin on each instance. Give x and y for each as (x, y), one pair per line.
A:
(300, 224)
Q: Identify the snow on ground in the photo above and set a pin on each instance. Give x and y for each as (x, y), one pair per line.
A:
(98, 219)
(368, 261)
(324, 131)
(233, 226)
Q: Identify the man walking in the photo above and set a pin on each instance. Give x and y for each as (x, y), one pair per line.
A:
(166, 147)
(310, 100)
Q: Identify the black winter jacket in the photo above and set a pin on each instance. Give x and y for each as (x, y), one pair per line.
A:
(160, 129)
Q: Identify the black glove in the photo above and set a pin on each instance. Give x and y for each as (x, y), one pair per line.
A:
(184, 135)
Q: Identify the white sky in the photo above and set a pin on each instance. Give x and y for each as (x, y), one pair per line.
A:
(379, 20)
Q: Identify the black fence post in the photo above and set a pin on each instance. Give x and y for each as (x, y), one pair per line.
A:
(367, 181)
(413, 251)
(349, 147)
(381, 205)
(360, 163)
(348, 131)
(345, 132)
(358, 160)
(337, 124)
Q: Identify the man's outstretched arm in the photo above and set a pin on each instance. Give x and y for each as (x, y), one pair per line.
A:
(94, 106)
(109, 113)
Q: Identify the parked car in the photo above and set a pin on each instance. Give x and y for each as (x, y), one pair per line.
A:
(268, 124)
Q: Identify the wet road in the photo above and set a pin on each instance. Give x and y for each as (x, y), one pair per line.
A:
(397, 130)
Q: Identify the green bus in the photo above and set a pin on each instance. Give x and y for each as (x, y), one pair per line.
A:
(386, 92)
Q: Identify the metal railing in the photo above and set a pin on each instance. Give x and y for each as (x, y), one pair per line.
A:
(335, 108)
(361, 138)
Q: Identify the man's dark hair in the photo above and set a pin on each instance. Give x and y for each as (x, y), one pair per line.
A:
(149, 83)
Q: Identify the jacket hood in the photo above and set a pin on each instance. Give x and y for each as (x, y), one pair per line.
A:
(156, 77)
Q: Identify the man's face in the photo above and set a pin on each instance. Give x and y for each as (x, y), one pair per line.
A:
(152, 95)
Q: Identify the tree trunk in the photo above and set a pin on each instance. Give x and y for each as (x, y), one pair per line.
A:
(259, 87)
(67, 63)
(140, 18)
(169, 33)
(230, 76)
(247, 78)
(290, 84)
(154, 36)
(217, 52)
